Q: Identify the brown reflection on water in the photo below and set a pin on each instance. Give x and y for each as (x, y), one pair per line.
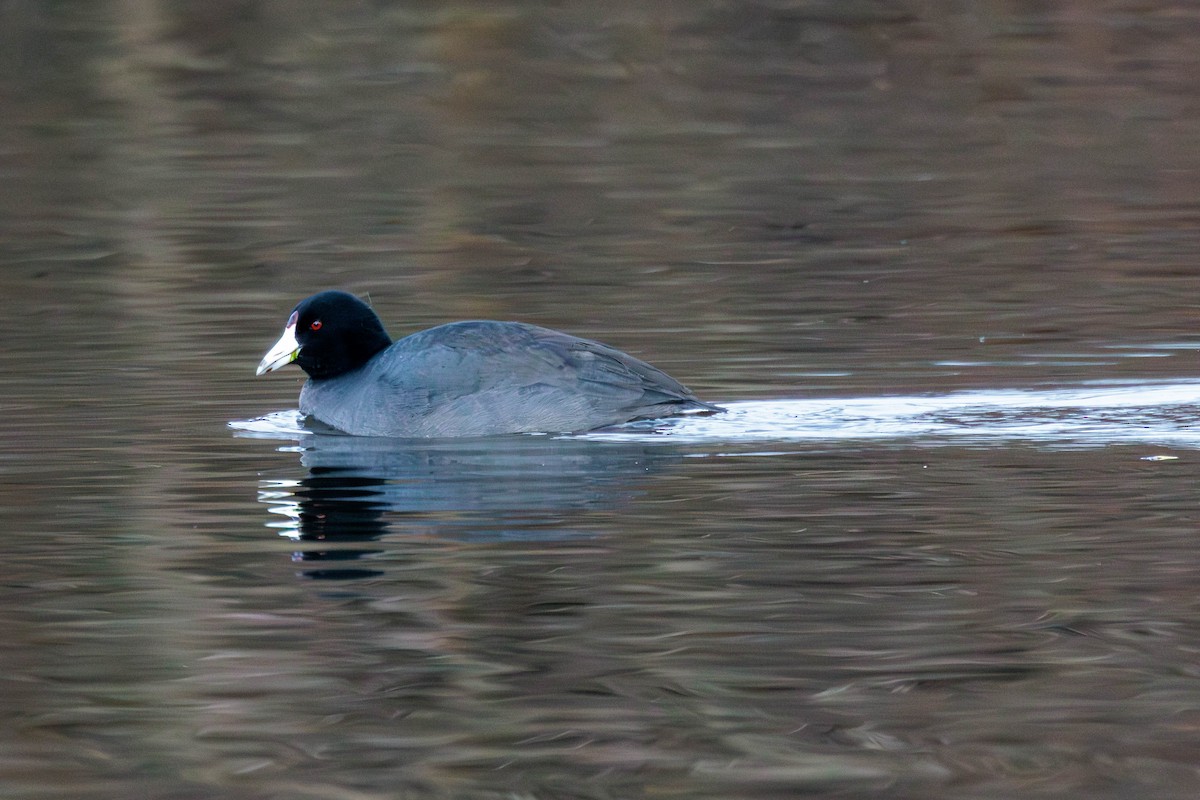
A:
(784, 180)
(774, 199)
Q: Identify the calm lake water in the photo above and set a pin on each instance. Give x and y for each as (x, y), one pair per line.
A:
(938, 260)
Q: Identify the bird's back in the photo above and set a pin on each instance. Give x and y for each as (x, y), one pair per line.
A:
(483, 378)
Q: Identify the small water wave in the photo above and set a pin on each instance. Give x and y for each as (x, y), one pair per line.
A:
(1085, 415)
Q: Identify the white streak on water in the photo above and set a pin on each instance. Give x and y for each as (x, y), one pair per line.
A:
(1083, 415)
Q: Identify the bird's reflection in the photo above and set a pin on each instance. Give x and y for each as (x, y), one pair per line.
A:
(335, 507)
(523, 488)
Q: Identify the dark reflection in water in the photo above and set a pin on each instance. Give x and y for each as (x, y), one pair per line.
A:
(333, 506)
(504, 488)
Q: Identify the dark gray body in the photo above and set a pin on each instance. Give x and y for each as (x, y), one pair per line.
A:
(486, 378)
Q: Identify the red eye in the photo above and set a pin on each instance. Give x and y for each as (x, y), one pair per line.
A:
(316, 326)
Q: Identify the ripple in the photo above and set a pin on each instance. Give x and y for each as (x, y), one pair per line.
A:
(1091, 414)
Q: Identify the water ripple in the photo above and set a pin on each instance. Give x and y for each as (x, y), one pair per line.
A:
(1084, 415)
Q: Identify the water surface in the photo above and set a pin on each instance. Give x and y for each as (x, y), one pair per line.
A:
(937, 261)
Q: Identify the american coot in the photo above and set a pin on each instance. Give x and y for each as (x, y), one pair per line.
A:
(464, 378)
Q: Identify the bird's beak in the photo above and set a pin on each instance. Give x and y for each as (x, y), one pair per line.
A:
(283, 353)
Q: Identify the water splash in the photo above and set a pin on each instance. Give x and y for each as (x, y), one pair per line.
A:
(1085, 415)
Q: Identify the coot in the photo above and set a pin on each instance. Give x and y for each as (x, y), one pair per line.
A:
(464, 379)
